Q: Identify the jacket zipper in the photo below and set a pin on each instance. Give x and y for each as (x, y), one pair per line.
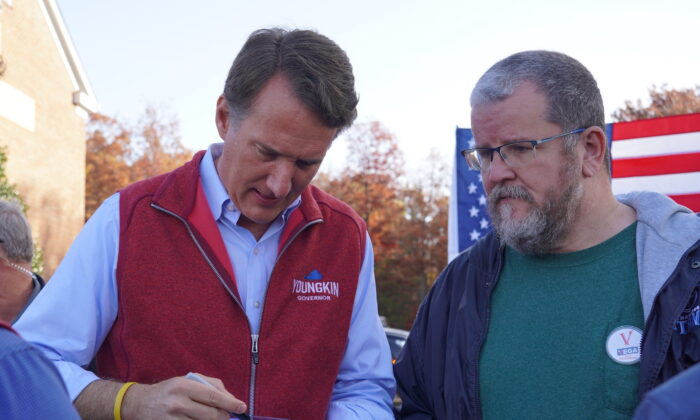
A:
(644, 385)
(253, 368)
(254, 337)
(204, 254)
(289, 242)
(255, 349)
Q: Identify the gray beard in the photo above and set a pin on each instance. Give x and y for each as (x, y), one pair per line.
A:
(545, 226)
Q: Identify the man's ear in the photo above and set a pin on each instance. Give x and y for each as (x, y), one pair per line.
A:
(594, 145)
(222, 117)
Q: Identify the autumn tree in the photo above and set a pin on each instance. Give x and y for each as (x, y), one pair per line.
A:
(421, 251)
(407, 220)
(663, 102)
(369, 184)
(424, 226)
(119, 153)
(157, 145)
(107, 160)
(369, 180)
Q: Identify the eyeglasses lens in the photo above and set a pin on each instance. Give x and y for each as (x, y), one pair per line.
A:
(518, 154)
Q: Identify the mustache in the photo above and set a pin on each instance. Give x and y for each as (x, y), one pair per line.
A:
(500, 192)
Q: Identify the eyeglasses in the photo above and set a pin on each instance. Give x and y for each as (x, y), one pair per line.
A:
(516, 154)
(16, 267)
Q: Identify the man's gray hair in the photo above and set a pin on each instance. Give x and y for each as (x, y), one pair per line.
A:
(15, 233)
(573, 98)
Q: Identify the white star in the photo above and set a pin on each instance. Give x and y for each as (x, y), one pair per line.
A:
(472, 143)
(474, 235)
(480, 178)
(484, 223)
(472, 188)
(473, 212)
(482, 200)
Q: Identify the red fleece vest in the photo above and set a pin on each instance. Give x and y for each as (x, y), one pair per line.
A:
(176, 313)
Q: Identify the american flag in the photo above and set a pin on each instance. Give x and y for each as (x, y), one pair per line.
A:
(468, 219)
(659, 154)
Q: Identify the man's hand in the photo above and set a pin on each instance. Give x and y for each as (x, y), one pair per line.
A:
(175, 398)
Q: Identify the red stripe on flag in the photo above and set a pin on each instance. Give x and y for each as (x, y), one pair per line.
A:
(676, 124)
(656, 165)
(692, 201)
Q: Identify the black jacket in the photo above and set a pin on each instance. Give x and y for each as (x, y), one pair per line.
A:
(438, 370)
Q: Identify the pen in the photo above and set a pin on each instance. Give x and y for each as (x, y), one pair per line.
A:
(197, 378)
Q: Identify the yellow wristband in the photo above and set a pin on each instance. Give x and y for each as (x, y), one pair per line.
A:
(118, 400)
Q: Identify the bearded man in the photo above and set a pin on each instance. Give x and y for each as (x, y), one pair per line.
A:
(544, 317)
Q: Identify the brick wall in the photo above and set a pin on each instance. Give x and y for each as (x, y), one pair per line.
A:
(47, 163)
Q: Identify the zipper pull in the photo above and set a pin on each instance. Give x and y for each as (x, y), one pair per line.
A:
(254, 350)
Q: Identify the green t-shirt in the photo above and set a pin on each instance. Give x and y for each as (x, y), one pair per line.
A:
(545, 353)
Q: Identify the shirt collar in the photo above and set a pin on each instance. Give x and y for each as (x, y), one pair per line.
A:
(214, 189)
(36, 288)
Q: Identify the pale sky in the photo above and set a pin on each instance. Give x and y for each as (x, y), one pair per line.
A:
(415, 62)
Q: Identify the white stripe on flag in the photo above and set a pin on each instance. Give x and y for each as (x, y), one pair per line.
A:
(654, 146)
(686, 183)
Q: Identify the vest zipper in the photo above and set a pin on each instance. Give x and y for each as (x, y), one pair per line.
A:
(289, 242)
(253, 367)
(204, 254)
(254, 337)
(255, 355)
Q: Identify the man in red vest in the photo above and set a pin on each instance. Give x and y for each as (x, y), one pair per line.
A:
(231, 266)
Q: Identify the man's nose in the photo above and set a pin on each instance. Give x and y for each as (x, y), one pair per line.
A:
(498, 170)
(279, 181)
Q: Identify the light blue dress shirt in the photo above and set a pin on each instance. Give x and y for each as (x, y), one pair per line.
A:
(74, 313)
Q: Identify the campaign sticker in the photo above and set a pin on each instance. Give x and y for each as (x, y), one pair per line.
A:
(624, 344)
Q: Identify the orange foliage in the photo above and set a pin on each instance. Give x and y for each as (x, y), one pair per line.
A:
(407, 224)
(368, 181)
(663, 103)
(118, 154)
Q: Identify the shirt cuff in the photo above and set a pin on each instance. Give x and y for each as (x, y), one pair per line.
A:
(75, 377)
